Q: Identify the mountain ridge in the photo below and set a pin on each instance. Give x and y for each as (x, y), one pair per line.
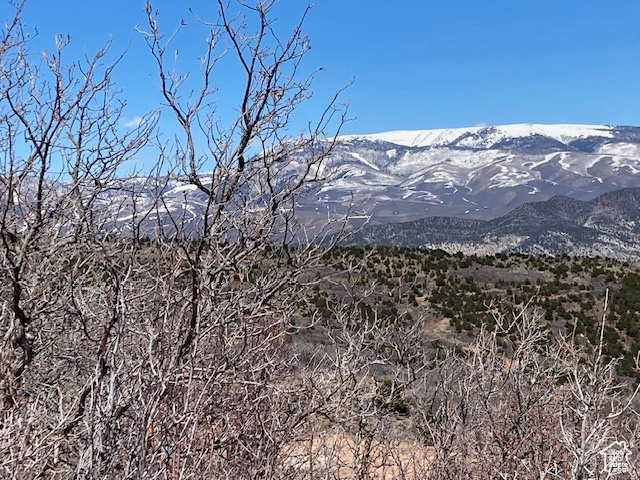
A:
(484, 135)
(373, 181)
(608, 225)
(479, 172)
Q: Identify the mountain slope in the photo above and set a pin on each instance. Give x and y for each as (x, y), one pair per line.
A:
(608, 225)
(478, 172)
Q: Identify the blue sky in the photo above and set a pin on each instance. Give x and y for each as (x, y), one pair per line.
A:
(415, 64)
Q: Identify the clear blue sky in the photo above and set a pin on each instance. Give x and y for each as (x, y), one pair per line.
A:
(415, 64)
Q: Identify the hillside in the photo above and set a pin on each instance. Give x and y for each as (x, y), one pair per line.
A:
(452, 296)
(608, 225)
(477, 172)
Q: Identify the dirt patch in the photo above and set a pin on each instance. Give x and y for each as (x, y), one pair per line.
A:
(343, 455)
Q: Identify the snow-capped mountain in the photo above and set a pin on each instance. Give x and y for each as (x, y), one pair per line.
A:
(477, 172)
(486, 137)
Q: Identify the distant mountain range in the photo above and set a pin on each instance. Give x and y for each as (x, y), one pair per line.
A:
(608, 225)
(478, 175)
(478, 172)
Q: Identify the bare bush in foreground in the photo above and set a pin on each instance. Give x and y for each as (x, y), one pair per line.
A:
(169, 358)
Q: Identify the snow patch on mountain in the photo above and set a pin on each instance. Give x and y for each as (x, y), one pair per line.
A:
(357, 156)
(485, 137)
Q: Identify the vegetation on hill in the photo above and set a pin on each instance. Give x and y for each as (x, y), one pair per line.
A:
(507, 363)
(467, 292)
